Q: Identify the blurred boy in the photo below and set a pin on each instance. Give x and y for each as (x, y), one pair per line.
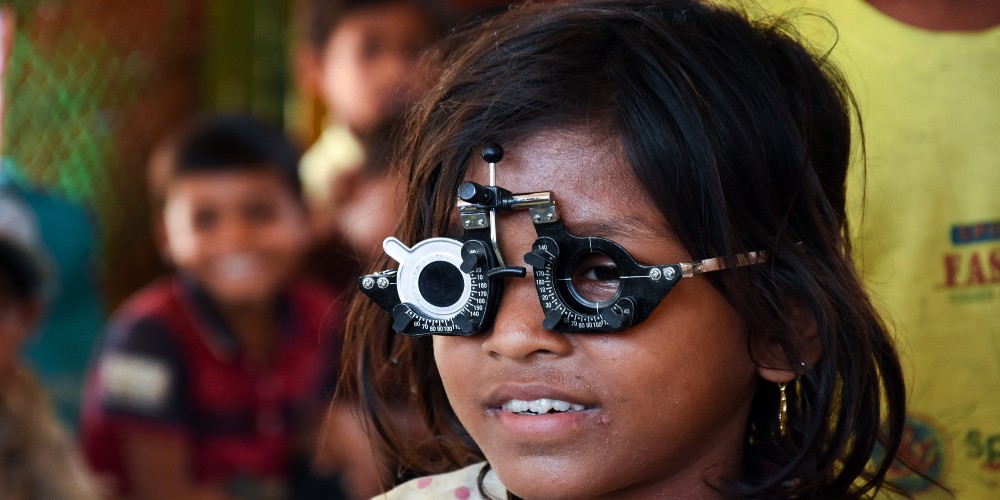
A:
(37, 458)
(209, 379)
(361, 61)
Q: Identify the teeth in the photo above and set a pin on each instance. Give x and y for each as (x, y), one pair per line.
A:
(540, 406)
(236, 266)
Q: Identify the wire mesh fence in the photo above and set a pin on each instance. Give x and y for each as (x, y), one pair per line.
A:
(91, 85)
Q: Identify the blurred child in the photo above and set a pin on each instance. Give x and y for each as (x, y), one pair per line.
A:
(37, 458)
(369, 209)
(927, 75)
(208, 380)
(58, 350)
(361, 61)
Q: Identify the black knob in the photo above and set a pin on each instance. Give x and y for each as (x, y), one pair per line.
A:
(612, 318)
(470, 261)
(537, 258)
(492, 153)
(401, 321)
(464, 325)
(553, 319)
(474, 193)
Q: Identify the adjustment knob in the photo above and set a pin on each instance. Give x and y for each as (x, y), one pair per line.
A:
(537, 258)
(474, 193)
(620, 316)
(613, 319)
(401, 319)
(464, 325)
(553, 318)
(492, 153)
(470, 261)
(473, 255)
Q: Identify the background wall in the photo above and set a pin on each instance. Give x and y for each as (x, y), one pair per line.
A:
(90, 86)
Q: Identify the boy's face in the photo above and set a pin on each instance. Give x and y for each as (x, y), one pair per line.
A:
(241, 234)
(368, 67)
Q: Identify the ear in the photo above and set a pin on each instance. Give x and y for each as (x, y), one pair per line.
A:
(777, 365)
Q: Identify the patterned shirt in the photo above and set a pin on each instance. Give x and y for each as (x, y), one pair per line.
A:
(170, 365)
(462, 484)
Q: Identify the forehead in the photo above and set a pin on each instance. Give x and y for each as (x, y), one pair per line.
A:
(262, 183)
(400, 21)
(595, 189)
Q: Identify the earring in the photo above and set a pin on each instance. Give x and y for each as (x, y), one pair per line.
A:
(782, 409)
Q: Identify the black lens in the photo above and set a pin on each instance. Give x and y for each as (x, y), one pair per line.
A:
(595, 277)
(441, 283)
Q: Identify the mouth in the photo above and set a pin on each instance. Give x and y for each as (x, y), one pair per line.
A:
(541, 406)
(237, 266)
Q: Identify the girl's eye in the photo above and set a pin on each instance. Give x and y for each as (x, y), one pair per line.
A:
(595, 277)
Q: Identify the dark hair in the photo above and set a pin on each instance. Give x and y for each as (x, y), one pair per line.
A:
(20, 275)
(742, 138)
(378, 146)
(224, 143)
(323, 16)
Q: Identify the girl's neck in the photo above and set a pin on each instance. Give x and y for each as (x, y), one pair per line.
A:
(943, 15)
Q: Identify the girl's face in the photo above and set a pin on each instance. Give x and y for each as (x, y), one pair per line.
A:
(665, 402)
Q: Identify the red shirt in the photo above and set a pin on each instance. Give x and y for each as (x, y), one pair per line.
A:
(169, 364)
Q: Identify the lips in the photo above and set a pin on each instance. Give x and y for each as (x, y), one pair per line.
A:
(538, 416)
(539, 398)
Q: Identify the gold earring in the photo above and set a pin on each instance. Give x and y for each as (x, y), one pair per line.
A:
(783, 409)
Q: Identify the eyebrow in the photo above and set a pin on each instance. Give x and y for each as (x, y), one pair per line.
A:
(619, 226)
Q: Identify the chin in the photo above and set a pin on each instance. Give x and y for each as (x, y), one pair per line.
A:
(548, 492)
(554, 482)
(239, 297)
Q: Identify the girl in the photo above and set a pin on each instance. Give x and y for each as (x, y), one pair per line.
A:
(641, 148)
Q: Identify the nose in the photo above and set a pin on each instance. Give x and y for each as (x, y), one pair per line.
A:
(236, 232)
(517, 332)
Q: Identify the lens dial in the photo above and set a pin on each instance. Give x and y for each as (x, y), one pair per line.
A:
(588, 301)
(593, 284)
(430, 293)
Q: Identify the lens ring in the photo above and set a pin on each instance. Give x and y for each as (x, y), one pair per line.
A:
(432, 253)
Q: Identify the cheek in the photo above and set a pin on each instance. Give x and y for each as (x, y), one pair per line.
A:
(182, 239)
(344, 80)
(291, 231)
(453, 357)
